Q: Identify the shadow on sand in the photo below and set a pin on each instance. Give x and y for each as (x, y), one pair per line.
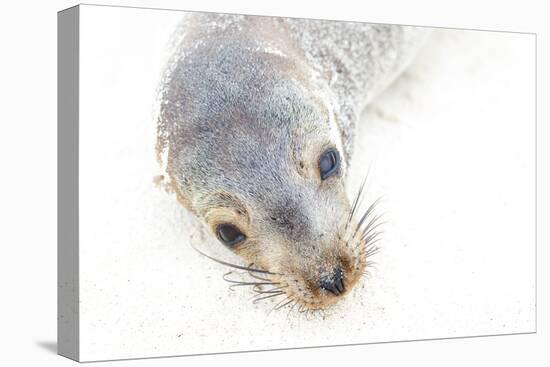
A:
(50, 346)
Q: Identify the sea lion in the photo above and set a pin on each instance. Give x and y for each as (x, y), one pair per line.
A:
(256, 122)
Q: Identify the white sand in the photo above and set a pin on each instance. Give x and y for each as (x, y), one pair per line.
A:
(450, 145)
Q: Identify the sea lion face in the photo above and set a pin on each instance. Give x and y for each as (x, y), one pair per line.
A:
(259, 159)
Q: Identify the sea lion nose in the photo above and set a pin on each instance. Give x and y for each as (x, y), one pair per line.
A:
(334, 283)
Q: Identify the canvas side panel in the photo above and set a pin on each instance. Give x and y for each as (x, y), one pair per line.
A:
(67, 182)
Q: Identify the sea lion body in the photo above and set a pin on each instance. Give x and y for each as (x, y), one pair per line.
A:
(250, 109)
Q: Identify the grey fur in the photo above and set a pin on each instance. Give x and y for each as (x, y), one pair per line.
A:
(244, 99)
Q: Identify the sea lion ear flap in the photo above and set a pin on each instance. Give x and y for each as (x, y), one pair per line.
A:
(162, 179)
(164, 183)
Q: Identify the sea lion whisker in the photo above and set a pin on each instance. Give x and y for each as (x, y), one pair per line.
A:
(370, 249)
(256, 276)
(373, 224)
(365, 243)
(240, 282)
(359, 225)
(234, 265)
(355, 205)
(371, 243)
(368, 238)
(237, 282)
(266, 292)
(256, 300)
(291, 308)
(274, 307)
(272, 290)
(275, 290)
(259, 295)
(278, 305)
(245, 284)
(365, 257)
(366, 214)
(372, 252)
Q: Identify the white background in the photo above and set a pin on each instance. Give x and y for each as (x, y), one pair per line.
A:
(29, 180)
(450, 145)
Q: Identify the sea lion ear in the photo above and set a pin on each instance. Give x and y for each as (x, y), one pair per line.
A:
(163, 179)
(163, 182)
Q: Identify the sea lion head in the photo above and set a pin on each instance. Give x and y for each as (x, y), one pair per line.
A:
(252, 147)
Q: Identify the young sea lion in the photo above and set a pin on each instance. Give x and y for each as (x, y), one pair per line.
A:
(255, 130)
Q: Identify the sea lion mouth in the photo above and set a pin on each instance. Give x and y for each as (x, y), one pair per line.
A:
(305, 293)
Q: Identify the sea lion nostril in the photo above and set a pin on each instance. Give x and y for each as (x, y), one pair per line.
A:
(339, 283)
(334, 283)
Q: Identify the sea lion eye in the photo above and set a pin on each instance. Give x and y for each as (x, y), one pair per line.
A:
(329, 162)
(229, 234)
